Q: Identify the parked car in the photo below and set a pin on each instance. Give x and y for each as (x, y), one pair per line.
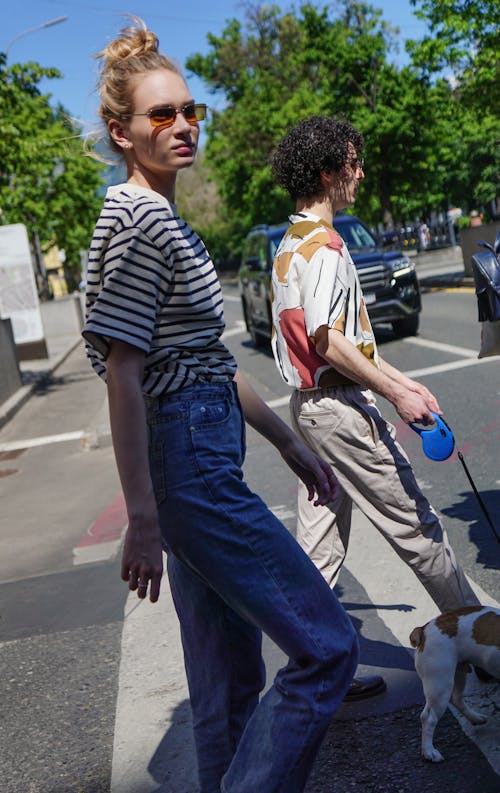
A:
(388, 278)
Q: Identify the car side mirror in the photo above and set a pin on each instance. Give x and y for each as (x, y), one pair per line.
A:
(253, 263)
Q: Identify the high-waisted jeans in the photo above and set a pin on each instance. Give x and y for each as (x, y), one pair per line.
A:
(235, 571)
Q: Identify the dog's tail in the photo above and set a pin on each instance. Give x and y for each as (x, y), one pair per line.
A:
(417, 638)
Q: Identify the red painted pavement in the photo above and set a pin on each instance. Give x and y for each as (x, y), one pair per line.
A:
(108, 526)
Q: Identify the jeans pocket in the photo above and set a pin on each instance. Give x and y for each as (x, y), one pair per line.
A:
(216, 437)
(209, 414)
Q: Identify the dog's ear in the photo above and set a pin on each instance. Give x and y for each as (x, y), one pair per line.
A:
(417, 638)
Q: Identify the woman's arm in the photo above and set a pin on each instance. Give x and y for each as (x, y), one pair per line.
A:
(312, 470)
(142, 554)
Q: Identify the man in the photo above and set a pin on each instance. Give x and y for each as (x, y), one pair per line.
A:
(325, 349)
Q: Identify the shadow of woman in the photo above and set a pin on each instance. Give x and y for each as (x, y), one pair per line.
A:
(173, 765)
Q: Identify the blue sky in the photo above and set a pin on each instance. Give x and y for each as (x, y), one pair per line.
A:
(181, 27)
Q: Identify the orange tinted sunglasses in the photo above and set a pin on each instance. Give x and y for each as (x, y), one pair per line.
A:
(165, 116)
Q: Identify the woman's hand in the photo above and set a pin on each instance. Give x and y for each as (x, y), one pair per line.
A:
(142, 561)
(314, 472)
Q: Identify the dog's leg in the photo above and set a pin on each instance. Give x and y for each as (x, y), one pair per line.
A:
(437, 681)
(457, 697)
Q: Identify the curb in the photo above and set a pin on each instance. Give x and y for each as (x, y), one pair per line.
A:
(444, 281)
(15, 402)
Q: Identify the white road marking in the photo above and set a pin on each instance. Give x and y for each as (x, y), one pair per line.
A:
(279, 402)
(99, 552)
(238, 327)
(152, 703)
(29, 443)
(437, 345)
(231, 299)
(153, 743)
(283, 512)
(448, 367)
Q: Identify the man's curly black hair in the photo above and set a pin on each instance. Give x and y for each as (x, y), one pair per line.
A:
(319, 143)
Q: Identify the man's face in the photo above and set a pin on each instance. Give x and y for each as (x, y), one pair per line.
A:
(346, 186)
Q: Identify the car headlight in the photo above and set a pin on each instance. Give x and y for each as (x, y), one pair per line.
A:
(402, 266)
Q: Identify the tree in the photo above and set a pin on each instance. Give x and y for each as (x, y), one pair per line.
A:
(46, 182)
(283, 67)
(463, 49)
(198, 201)
(464, 38)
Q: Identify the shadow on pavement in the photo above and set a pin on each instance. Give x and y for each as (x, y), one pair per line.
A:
(480, 533)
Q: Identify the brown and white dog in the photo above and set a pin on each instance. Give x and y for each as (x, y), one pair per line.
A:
(445, 647)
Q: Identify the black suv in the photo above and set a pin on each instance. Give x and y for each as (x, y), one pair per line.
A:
(388, 278)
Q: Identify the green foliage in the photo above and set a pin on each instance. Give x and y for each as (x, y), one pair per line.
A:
(46, 182)
(198, 201)
(424, 148)
(464, 38)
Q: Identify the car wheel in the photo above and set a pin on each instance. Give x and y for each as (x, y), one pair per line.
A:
(257, 339)
(406, 327)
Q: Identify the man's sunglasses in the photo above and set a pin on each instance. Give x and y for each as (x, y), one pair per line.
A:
(165, 116)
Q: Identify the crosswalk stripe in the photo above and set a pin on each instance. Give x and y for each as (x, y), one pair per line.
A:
(153, 742)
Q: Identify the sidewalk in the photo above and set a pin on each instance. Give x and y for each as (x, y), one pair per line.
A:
(35, 371)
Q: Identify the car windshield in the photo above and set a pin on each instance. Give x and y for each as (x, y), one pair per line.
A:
(355, 235)
(274, 241)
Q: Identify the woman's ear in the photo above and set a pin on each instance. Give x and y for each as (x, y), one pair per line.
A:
(118, 134)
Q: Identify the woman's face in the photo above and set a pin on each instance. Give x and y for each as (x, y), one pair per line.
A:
(157, 153)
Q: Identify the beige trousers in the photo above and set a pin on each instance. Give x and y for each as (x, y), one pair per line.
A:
(344, 426)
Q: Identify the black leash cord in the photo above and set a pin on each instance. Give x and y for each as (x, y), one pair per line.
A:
(481, 502)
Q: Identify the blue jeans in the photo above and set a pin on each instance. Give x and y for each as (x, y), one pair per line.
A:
(235, 571)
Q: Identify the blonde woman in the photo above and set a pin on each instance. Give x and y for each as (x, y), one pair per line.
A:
(177, 408)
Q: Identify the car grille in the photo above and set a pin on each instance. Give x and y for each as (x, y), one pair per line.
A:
(372, 278)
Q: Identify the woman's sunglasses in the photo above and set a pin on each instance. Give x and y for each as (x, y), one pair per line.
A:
(165, 116)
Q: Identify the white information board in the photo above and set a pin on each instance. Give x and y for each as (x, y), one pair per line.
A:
(18, 293)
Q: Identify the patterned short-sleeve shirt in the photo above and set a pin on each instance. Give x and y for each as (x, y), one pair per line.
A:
(315, 283)
(152, 284)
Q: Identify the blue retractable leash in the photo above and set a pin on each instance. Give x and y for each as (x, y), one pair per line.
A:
(438, 444)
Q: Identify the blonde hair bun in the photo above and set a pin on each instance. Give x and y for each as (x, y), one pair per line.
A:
(134, 52)
(134, 41)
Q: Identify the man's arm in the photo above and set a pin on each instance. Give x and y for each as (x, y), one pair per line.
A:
(311, 469)
(403, 393)
(412, 385)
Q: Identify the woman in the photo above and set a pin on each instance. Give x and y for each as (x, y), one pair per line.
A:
(153, 328)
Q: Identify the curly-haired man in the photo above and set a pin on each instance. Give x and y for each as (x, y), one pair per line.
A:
(325, 349)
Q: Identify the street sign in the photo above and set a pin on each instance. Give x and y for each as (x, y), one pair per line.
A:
(18, 293)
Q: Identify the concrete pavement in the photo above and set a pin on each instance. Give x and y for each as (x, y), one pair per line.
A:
(153, 744)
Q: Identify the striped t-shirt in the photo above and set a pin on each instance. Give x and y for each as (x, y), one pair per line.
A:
(152, 284)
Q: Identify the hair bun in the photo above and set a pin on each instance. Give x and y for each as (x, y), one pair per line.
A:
(134, 41)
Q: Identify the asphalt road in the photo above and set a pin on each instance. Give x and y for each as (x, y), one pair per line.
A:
(76, 652)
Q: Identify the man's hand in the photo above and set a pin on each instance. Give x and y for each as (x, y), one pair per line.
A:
(430, 399)
(315, 473)
(411, 406)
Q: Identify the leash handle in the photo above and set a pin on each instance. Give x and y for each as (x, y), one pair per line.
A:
(481, 502)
